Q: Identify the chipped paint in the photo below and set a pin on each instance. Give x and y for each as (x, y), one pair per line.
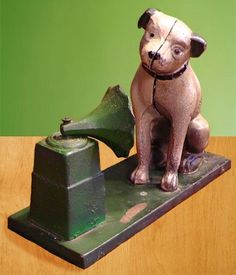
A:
(133, 211)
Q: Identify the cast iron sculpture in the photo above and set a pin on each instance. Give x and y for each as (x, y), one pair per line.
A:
(81, 213)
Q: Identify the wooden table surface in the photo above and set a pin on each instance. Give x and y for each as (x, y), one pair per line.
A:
(197, 237)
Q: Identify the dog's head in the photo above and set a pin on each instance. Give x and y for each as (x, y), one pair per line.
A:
(167, 42)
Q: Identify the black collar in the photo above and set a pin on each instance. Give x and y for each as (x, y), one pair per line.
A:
(165, 76)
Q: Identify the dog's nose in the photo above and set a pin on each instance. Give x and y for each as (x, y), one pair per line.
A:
(154, 55)
(151, 54)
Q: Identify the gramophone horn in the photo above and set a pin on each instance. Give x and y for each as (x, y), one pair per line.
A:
(111, 122)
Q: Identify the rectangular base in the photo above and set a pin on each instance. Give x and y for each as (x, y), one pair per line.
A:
(129, 209)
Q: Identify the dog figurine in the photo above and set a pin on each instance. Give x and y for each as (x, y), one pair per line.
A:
(166, 97)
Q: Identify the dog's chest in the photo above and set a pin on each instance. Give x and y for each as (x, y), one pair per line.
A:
(174, 98)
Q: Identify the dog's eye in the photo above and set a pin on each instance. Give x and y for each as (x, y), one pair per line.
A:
(152, 34)
(177, 51)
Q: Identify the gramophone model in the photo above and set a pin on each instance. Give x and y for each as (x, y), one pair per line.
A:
(81, 213)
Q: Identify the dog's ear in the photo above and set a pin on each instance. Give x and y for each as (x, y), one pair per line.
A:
(145, 17)
(198, 45)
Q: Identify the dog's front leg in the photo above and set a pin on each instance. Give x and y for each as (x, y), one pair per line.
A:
(179, 128)
(143, 139)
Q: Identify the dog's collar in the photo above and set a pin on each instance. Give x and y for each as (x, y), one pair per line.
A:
(165, 76)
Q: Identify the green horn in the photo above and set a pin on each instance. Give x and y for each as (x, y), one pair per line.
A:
(111, 122)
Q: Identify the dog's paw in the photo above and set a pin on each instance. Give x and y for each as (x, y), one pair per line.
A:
(169, 182)
(190, 163)
(140, 175)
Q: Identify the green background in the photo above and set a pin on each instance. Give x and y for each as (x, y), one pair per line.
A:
(59, 56)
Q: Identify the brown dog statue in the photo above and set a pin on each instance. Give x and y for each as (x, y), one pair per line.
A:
(166, 97)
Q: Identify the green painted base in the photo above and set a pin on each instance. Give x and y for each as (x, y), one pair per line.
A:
(129, 209)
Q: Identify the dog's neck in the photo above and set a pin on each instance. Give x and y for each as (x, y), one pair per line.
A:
(171, 76)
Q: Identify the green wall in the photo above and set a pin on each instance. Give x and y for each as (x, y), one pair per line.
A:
(59, 56)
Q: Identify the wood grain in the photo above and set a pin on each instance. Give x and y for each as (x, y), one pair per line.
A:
(197, 237)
